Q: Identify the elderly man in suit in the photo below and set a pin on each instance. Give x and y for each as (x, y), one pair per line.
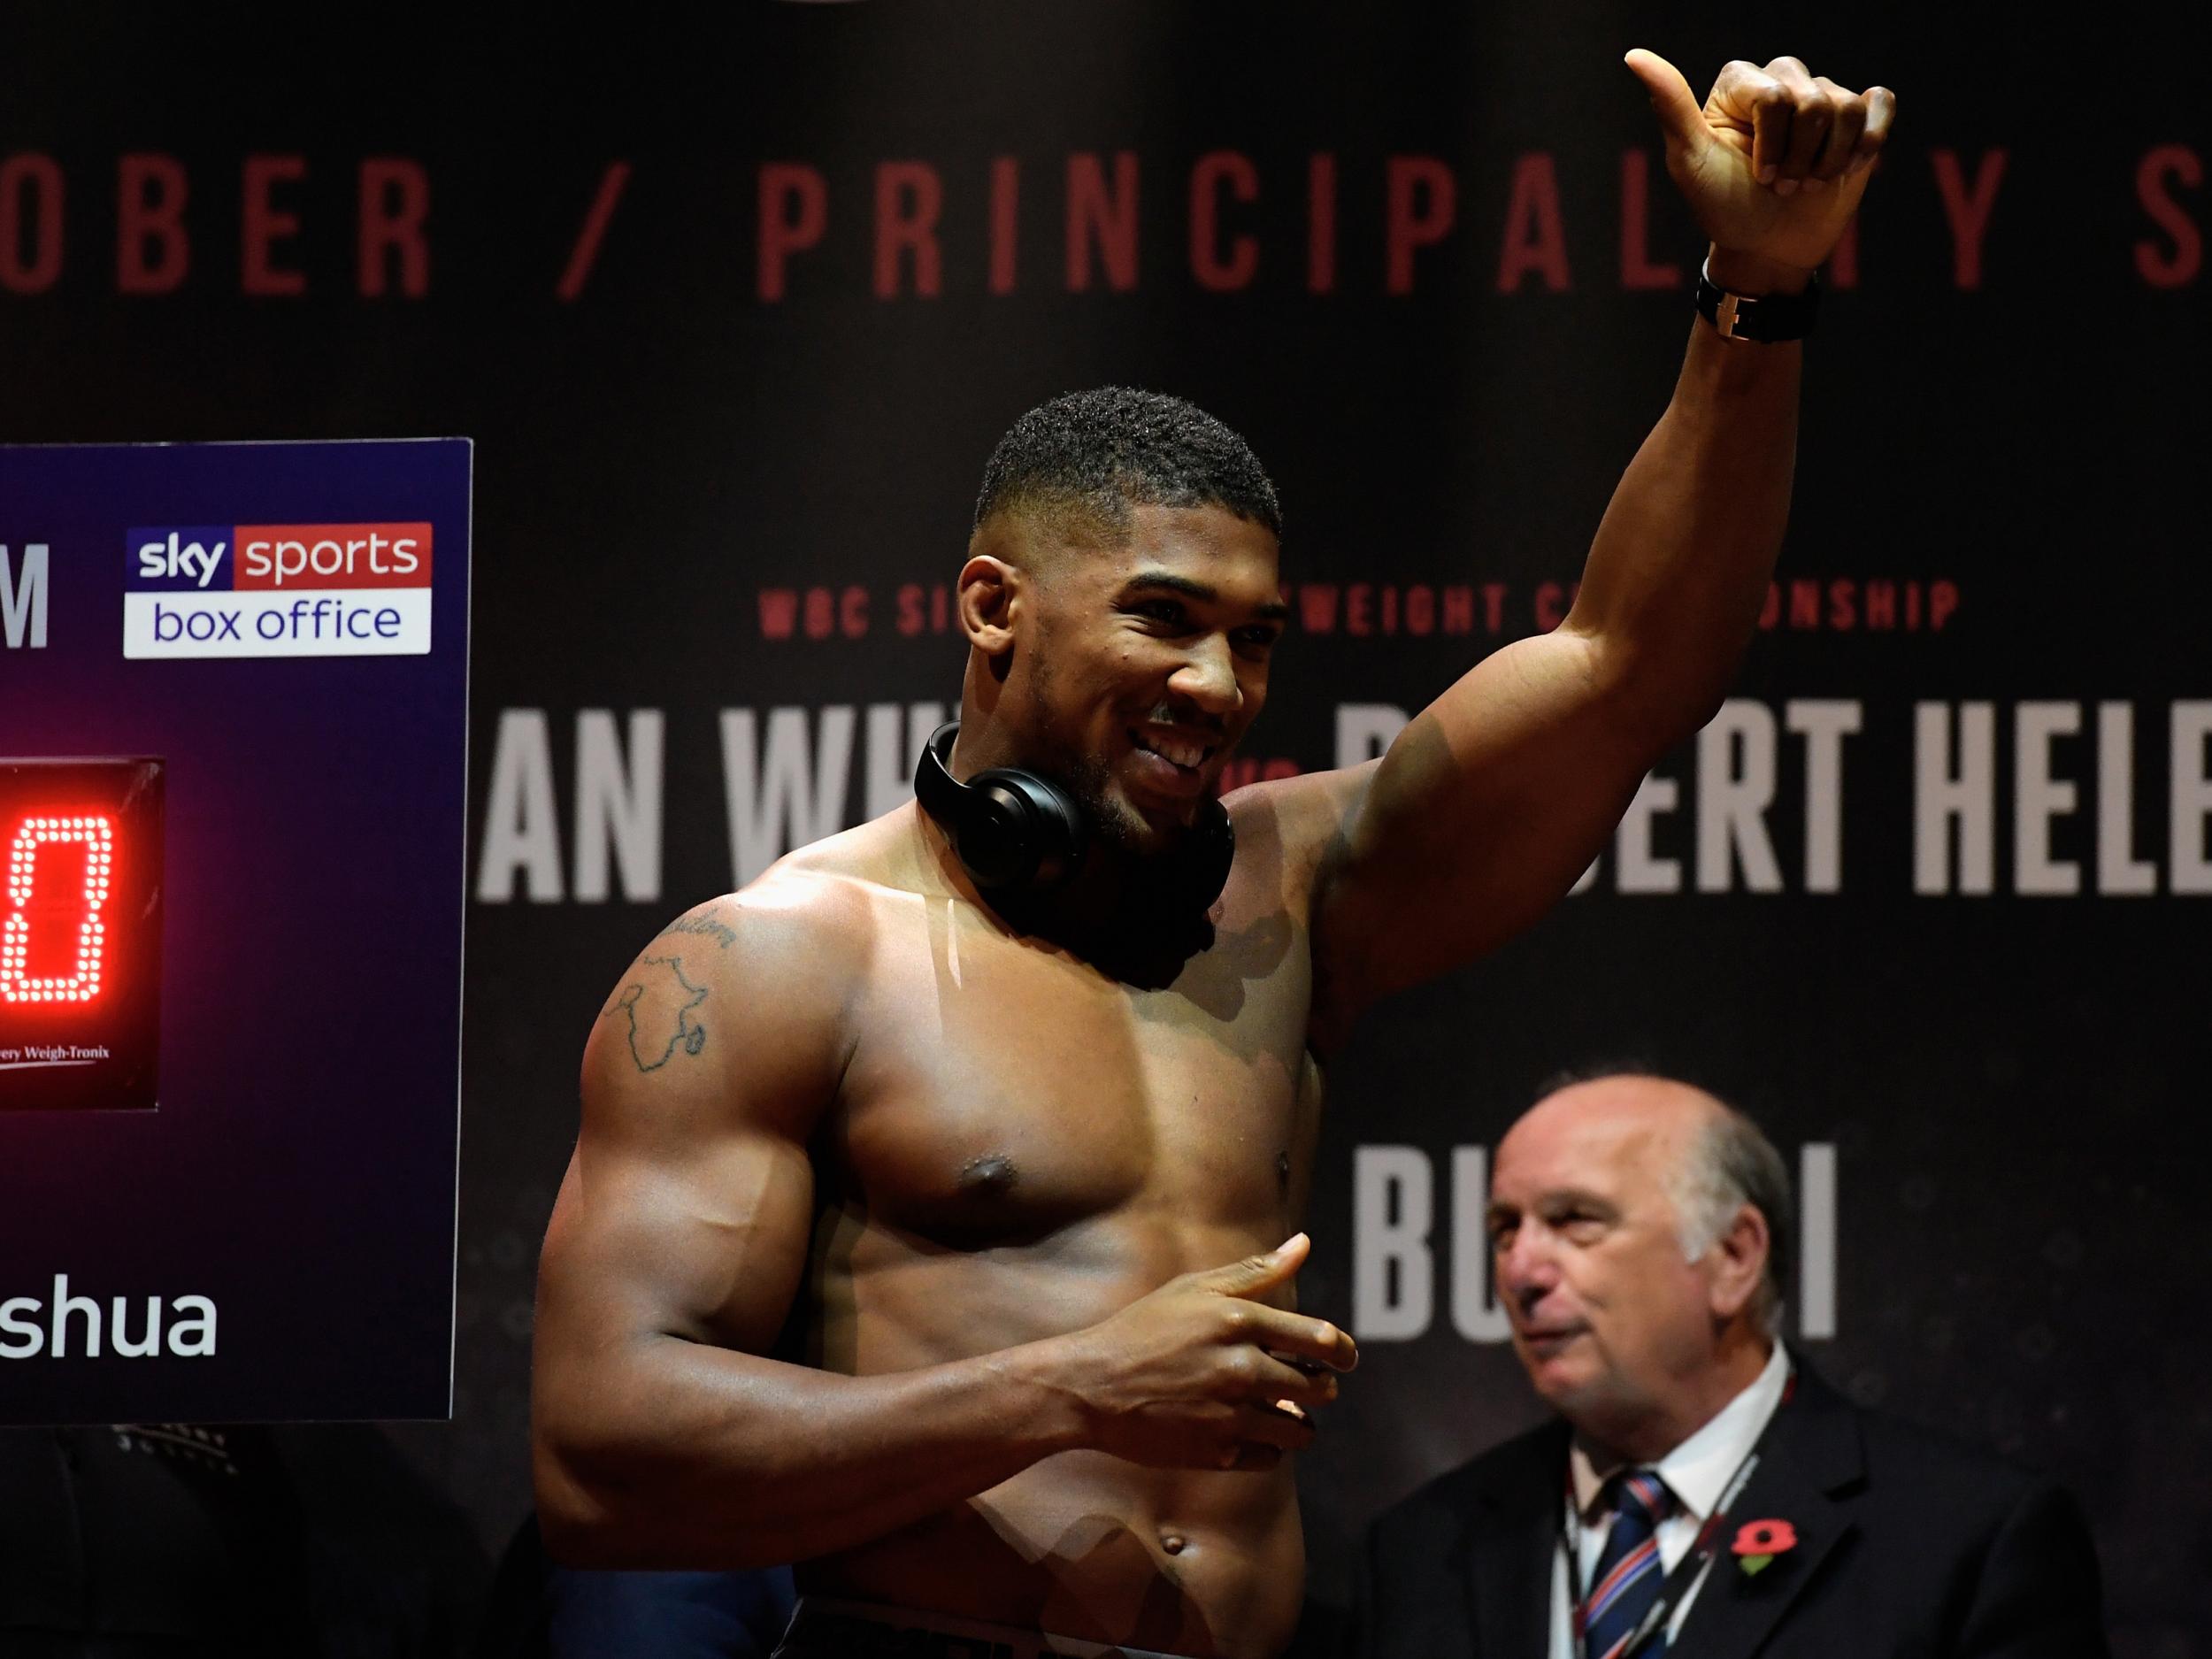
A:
(1702, 1490)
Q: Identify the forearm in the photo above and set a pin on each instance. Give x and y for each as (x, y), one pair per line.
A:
(1680, 568)
(686, 1455)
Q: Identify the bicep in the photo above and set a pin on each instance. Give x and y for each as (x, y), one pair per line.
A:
(1483, 813)
(687, 1207)
(705, 1241)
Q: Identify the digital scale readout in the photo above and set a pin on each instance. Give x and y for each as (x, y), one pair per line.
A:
(234, 799)
(81, 890)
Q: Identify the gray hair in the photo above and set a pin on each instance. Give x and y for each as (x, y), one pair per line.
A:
(1732, 1164)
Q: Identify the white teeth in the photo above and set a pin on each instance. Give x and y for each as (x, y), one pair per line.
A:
(1183, 753)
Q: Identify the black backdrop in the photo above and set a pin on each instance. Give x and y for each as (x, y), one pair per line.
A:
(589, 245)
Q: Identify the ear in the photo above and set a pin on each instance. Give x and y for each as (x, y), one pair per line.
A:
(990, 592)
(1739, 1261)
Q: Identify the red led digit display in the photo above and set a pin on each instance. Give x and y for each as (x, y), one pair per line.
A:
(37, 915)
(81, 891)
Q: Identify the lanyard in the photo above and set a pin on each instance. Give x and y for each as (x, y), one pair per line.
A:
(1687, 1571)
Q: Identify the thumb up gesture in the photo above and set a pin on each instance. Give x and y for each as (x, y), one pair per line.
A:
(1775, 161)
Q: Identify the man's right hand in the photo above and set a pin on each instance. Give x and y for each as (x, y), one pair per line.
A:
(1202, 1374)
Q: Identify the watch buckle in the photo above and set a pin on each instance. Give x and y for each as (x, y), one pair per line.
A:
(1729, 313)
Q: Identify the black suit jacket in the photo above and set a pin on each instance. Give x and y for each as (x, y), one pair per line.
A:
(1908, 1547)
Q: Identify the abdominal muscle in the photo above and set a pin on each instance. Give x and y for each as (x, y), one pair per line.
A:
(1081, 1544)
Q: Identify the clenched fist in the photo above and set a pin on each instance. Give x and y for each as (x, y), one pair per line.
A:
(1775, 162)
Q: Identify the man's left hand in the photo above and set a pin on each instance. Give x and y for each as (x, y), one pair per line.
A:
(1774, 164)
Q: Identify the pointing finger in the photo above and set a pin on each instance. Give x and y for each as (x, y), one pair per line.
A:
(1298, 1338)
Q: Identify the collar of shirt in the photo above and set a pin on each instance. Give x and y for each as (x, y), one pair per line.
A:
(1698, 1471)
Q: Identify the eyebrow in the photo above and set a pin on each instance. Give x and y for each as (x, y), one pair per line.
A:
(1273, 610)
(1549, 1199)
(1581, 1196)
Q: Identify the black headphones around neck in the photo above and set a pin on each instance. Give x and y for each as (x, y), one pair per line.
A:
(1016, 832)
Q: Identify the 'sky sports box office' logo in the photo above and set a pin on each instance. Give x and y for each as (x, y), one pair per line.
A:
(277, 590)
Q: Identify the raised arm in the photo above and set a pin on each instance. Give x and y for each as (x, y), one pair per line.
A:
(664, 1435)
(1499, 794)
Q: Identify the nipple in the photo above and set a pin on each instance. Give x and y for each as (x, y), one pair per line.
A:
(993, 1172)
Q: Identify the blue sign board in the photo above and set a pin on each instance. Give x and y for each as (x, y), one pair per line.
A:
(234, 684)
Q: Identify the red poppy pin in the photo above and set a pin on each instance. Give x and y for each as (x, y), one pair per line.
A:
(1759, 1542)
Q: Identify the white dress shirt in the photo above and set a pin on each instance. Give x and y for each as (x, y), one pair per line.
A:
(1697, 1472)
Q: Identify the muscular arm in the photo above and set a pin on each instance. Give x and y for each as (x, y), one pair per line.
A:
(1500, 793)
(664, 1436)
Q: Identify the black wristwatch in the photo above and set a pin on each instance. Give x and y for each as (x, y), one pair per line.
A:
(1765, 319)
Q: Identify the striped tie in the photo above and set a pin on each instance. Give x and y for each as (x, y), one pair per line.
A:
(1628, 1576)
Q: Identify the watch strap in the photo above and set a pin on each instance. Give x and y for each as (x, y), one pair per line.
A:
(1761, 318)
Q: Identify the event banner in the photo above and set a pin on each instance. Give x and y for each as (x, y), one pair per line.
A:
(232, 788)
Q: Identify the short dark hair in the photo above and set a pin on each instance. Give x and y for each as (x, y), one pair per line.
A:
(1094, 455)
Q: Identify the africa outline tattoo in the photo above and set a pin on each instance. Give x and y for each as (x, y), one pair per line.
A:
(688, 1030)
(706, 925)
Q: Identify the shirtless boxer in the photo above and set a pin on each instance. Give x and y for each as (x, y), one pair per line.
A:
(932, 1239)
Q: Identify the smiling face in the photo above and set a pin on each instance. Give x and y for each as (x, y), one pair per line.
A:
(1132, 670)
(1621, 1332)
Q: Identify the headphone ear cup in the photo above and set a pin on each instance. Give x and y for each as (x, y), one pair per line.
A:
(1207, 855)
(1018, 830)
